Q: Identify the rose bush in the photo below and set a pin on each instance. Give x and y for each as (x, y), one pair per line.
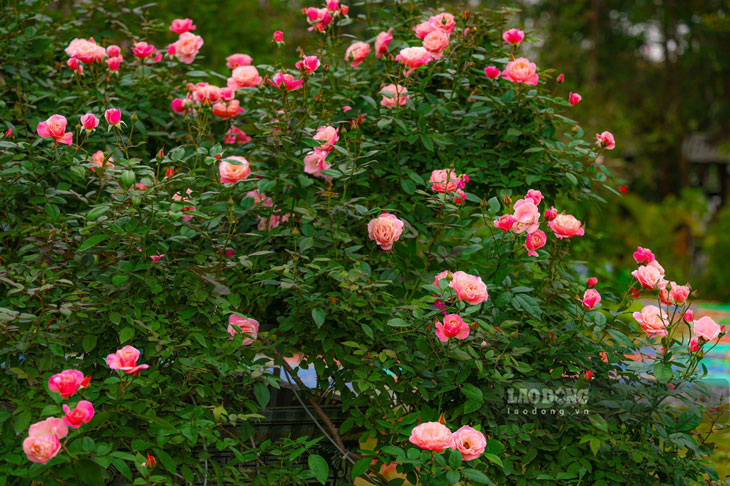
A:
(401, 224)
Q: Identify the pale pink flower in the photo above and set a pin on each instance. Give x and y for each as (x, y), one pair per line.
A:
(394, 95)
(247, 326)
(453, 327)
(180, 26)
(444, 180)
(143, 50)
(566, 226)
(232, 173)
(82, 414)
(315, 162)
(422, 30)
(66, 383)
(125, 359)
(357, 51)
(382, 42)
(535, 241)
(413, 58)
(308, 64)
(432, 436)
(707, 329)
(521, 71)
(50, 426)
(237, 60)
(55, 128)
(535, 195)
(440, 277)
(435, 43)
(444, 22)
(41, 449)
(327, 136)
(244, 77)
(606, 140)
(187, 47)
(527, 217)
(98, 159)
(649, 275)
(227, 110)
(86, 51)
(385, 230)
(469, 442)
(469, 288)
(653, 320)
(513, 36)
(679, 293)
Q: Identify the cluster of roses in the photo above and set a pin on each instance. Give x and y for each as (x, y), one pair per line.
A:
(319, 18)
(221, 100)
(654, 320)
(188, 44)
(55, 126)
(82, 51)
(435, 35)
(43, 441)
(316, 160)
(468, 288)
(526, 219)
(519, 70)
(435, 436)
(445, 181)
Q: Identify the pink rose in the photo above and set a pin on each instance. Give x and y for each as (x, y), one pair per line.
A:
(591, 298)
(649, 275)
(440, 277)
(551, 214)
(98, 159)
(566, 226)
(327, 136)
(178, 105)
(521, 71)
(187, 47)
(143, 50)
(113, 51)
(236, 136)
(113, 116)
(560, 79)
(513, 36)
(385, 230)
(204, 93)
(232, 173)
(413, 58)
(591, 282)
(249, 327)
(652, 320)
(227, 110)
(505, 222)
(605, 140)
(469, 288)
(66, 383)
(492, 72)
(679, 293)
(181, 26)
(267, 224)
(287, 80)
(432, 436)
(41, 449)
(82, 414)
(469, 442)
(574, 98)
(535, 241)
(315, 162)
(422, 30)
(444, 22)
(259, 198)
(435, 43)
(535, 195)
(644, 255)
(237, 60)
(688, 316)
(694, 345)
(381, 43)
(125, 359)
(89, 121)
(394, 95)
(113, 63)
(278, 37)
(707, 329)
(358, 51)
(527, 217)
(73, 64)
(50, 426)
(86, 51)
(444, 180)
(244, 77)
(308, 64)
(55, 128)
(157, 258)
(453, 327)
(333, 5)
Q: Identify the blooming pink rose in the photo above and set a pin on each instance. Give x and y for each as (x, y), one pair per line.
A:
(444, 180)
(432, 436)
(65, 383)
(574, 98)
(505, 222)
(513, 36)
(551, 214)
(41, 449)
(55, 128)
(259, 198)
(89, 121)
(439, 277)
(591, 282)
(232, 173)
(318, 18)
(327, 136)
(278, 37)
(315, 162)
(187, 47)
(82, 414)
(125, 359)
(707, 329)
(385, 230)
(287, 80)
(566, 226)
(606, 140)
(469, 288)
(413, 58)
(333, 5)
(236, 136)
(113, 116)
(644, 255)
(535, 241)
(50, 426)
(358, 51)
(521, 71)
(591, 298)
(204, 93)
(143, 50)
(679, 293)
(688, 316)
(652, 320)
(244, 77)
(178, 105)
(492, 72)
(381, 43)
(435, 43)
(86, 51)
(308, 64)
(453, 327)
(98, 159)
(422, 30)
(394, 95)
(227, 110)
(527, 216)
(250, 327)
(469, 442)
(113, 63)
(649, 275)
(560, 79)
(113, 51)
(535, 195)
(444, 22)
(181, 26)
(237, 60)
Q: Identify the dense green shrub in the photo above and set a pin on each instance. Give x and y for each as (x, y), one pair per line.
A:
(154, 250)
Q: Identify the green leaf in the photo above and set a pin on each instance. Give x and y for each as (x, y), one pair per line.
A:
(477, 476)
(92, 241)
(88, 343)
(472, 392)
(96, 212)
(89, 472)
(261, 390)
(598, 422)
(52, 211)
(166, 460)
(455, 459)
(126, 334)
(318, 316)
(398, 322)
(427, 142)
(663, 372)
(359, 468)
(319, 467)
